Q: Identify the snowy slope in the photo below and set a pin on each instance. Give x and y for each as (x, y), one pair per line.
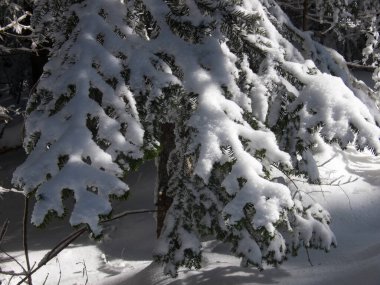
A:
(124, 256)
(355, 211)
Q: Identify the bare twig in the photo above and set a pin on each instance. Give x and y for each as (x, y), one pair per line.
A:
(55, 251)
(308, 256)
(10, 279)
(347, 182)
(319, 191)
(84, 270)
(47, 275)
(25, 237)
(323, 192)
(14, 259)
(61, 245)
(332, 182)
(290, 179)
(348, 197)
(126, 213)
(71, 238)
(12, 273)
(60, 271)
(327, 161)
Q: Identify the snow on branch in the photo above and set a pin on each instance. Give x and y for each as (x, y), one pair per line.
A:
(246, 92)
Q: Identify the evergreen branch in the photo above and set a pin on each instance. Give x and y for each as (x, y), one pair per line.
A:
(353, 65)
(16, 22)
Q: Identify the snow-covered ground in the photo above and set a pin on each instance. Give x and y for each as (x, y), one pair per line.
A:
(124, 255)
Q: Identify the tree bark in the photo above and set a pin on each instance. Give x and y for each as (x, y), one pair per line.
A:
(38, 61)
(305, 13)
(163, 201)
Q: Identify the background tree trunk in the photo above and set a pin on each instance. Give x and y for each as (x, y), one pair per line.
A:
(163, 202)
(305, 13)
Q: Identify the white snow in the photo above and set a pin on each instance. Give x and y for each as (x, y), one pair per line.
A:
(124, 255)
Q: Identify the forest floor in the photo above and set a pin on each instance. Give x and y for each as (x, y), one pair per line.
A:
(123, 256)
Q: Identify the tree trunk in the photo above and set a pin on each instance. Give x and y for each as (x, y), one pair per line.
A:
(163, 202)
(38, 61)
(305, 13)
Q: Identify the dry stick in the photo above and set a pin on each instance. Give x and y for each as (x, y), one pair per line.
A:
(71, 238)
(25, 237)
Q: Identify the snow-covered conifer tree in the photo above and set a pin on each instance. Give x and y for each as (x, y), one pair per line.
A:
(350, 26)
(242, 92)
